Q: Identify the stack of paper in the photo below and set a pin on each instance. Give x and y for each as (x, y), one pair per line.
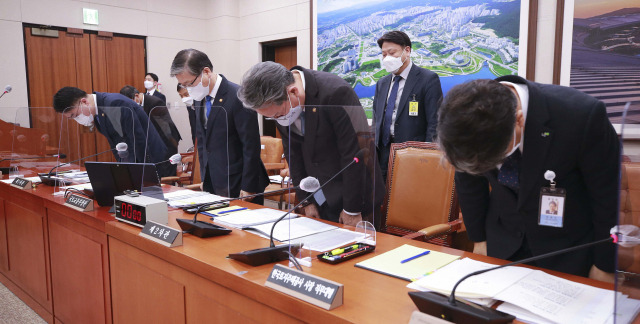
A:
(292, 229)
(390, 263)
(187, 198)
(249, 218)
(530, 295)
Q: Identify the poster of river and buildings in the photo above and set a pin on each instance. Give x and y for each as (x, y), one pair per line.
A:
(460, 40)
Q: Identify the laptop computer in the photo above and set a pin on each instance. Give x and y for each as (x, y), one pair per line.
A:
(110, 179)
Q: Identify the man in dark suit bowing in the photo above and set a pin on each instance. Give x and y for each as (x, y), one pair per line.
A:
(406, 100)
(318, 141)
(116, 117)
(511, 141)
(227, 133)
(160, 118)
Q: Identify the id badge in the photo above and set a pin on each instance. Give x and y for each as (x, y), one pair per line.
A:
(551, 211)
(413, 107)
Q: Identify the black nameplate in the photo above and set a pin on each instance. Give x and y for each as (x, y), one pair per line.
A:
(162, 234)
(313, 289)
(21, 183)
(79, 202)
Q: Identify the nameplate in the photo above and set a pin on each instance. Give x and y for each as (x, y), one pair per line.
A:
(21, 183)
(162, 234)
(312, 289)
(79, 203)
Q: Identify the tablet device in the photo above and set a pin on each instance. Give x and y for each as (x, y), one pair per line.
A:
(110, 179)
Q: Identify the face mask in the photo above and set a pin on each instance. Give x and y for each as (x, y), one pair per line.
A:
(148, 85)
(392, 63)
(83, 119)
(292, 115)
(515, 146)
(198, 92)
(188, 101)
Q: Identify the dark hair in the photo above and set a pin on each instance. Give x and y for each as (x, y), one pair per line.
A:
(129, 91)
(190, 60)
(265, 83)
(153, 76)
(67, 97)
(475, 125)
(396, 37)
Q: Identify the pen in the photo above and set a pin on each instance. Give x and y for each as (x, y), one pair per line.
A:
(346, 249)
(415, 256)
(233, 210)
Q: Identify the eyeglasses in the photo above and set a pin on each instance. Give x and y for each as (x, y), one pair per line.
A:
(191, 83)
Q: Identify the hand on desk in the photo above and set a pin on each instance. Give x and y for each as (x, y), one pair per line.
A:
(311, 211)
(480, 248)
(244, 193)
(598, 274)
(349, 219)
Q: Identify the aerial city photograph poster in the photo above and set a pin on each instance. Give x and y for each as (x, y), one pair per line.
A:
(459, 40)
(605, 54)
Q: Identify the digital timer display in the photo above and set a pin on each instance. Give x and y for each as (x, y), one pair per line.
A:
(130, 212)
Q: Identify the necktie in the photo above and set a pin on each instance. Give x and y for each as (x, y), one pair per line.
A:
(388, 112)
(149, 93)
(508, 175)
(208, 99)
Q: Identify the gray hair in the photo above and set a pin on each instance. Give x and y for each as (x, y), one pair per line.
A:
(265, 83)
(190, 60)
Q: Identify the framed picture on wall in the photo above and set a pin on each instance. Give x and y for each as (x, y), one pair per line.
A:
(600, 53)
(460, 40)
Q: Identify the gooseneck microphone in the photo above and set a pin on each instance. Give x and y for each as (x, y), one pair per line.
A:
(49, 180)
(174, 159)
(7, 89)
(449, 309)
(205, 229)
(274, 253)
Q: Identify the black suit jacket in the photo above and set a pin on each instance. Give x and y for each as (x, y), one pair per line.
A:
(161, 120)
(229, 145)
(121, 119)
(330, 142)
(425, 86)
(568, 132)
(160, 96)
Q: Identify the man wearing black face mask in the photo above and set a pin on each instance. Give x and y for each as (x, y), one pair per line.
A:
(227, 134)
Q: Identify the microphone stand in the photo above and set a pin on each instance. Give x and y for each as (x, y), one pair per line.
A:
(275, 253)
(447, 308)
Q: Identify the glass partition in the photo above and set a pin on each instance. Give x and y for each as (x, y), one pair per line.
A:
(220, 154)
(627, 302)
(104, 143)
(29, 144)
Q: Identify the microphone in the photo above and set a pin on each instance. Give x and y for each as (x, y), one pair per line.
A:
(447, 308)
(7, 89)
(174, 159)
(205, 229)
(49, 180)
(275, 253)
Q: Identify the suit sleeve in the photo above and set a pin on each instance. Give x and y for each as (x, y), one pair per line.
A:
(432, 99)
(600, 168)
(473, 196)
(246, 123)
(353, 177)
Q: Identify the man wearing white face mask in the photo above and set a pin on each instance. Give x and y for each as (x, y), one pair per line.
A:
(227, 134)
(406, 101)
(116, 117)
(318, 141)
(151, 84)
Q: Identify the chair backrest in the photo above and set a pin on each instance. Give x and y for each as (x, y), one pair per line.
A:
(420, 188)
(629, 257)
(272, 149)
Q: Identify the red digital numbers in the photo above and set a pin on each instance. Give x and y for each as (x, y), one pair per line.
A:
(127, 211)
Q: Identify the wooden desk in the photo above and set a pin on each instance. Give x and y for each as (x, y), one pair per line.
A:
(75, 267)
(195, 283)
